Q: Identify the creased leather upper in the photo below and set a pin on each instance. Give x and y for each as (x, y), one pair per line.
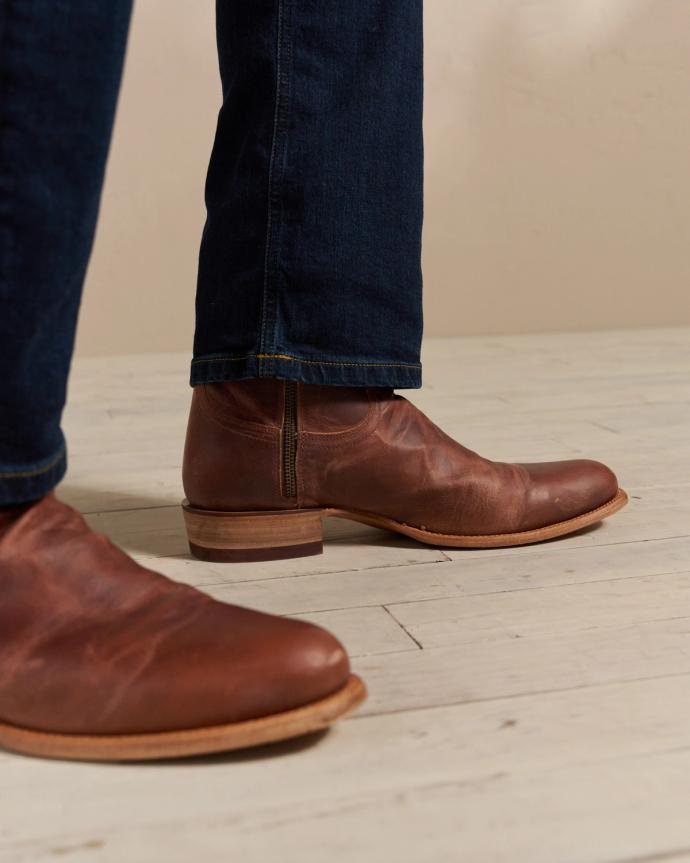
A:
(92, 643)
(375, 452)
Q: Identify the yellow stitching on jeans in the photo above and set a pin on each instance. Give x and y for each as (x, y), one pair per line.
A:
(27, 474)
(307, 362)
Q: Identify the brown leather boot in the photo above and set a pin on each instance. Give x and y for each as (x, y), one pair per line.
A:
(101, 659)
(266, 461)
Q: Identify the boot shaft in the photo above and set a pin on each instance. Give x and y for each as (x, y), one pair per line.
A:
(245, 440)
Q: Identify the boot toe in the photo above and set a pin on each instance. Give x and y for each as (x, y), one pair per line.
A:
(563, 490)
(313, 662)
(230, 665)
(600, 481)
(289, 663)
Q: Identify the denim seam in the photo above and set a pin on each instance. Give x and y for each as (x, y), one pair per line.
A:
(271, 255)
(283, 124)
(27, 474)
(307, 362)
(6, 235)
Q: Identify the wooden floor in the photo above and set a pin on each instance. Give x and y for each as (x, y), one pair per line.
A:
(527, 705)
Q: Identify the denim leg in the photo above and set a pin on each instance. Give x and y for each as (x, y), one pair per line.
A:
(310, 259)
(60, 68)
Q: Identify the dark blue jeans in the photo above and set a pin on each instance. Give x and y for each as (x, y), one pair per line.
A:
(310, 259)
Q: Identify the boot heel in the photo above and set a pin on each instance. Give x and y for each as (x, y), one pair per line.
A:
(240, 536)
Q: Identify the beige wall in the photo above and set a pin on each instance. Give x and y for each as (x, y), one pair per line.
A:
(558, 170)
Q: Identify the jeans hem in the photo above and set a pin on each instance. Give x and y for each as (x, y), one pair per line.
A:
(206, 370)
(31, 482)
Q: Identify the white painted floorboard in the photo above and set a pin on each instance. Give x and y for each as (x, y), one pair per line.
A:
(526, 705)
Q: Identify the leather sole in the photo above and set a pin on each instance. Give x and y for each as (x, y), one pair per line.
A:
(183, 744)
(278, 534)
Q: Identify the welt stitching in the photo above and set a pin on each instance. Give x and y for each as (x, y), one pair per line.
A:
(306, 362)
(532, 531)
(27, 474)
